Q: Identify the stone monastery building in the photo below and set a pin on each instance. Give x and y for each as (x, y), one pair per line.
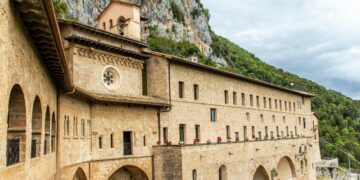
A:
(78, 102)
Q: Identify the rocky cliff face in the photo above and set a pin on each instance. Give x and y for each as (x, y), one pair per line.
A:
(175, 19)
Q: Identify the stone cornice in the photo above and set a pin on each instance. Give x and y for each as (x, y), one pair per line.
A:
(107, 59)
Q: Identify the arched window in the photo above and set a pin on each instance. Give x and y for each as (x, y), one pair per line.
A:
(194, 174)
(47, 131)
(302, 166)
(121, 25)
(111, 23)
(16, 130)
(222, 173)
(304, 123)
(53, 132)
(36, 127)
(104, 25)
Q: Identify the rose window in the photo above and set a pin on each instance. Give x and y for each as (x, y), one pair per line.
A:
(108, 78)
(111, 78)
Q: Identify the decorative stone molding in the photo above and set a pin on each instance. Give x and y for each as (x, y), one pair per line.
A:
(107, 59)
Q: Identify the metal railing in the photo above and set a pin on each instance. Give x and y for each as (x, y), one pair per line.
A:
(33, 148)
(127, 148)
(12, 153)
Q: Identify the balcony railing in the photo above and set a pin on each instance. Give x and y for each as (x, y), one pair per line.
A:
(12, 154)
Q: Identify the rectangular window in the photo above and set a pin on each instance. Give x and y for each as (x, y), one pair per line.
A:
(257, 101)
(181, 89)
(270, 103)
(248, 116)
(277, 131)
(111, 141)
(280, 103)
(197, 132)
(100, 142)
(303, 100)
(213, 114)
(196, 92)
(289, 106)
(296, 131)
(272, 134)
(264, 99)
(127, 140)
(285, 103)
(182, 133)
(300, 121)
(245, 133)
(251, 100)
(75, 127)
(234, 98)
(261, 117)
(68, 126)
(253, 131)
(226, 97)
(165, 134)
(144, 140)
(294, 106)
(273, 118)
(276, 104)
(82, 128)
(228, 132)
(243, 99)
(65, 126)
(304, 123)
(89, 128)
(259, 135)
(266, 132)
(237, 137)
(287, 131)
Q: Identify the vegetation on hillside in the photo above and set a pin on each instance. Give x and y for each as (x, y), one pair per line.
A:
(177, 12)
(62, 11)
(339, 115)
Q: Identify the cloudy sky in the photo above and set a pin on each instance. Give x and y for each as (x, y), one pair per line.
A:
(316, 39)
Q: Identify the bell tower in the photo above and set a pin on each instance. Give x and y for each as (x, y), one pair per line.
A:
(121, 18)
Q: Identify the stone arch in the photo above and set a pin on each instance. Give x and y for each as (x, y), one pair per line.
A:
(222, 172)
(47, 131)
(79, 175)
(286, 169)
(121, 24)
(194, 174)
(129, 172)
(260, 174)
(36, 128)
(16, 130)
(53, 132)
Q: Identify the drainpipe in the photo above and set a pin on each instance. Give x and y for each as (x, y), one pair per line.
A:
(159, 126)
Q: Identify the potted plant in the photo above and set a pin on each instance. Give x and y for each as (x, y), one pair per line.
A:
(228, 139)
(196, 141)
(218, 139)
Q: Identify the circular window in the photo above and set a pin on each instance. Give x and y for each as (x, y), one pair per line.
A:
(111, 78)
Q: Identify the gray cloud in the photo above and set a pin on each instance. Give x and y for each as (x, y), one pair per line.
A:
(318, 40)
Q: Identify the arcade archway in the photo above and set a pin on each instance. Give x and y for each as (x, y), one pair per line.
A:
(129, 173)
(261, 174)
(285, 169)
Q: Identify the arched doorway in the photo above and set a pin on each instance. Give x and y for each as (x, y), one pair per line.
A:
(16, 130)
(36, 127)
(129, 173)
(261, 174)
(79, 175)
(286, 170)
(47, 131)
(222, 172)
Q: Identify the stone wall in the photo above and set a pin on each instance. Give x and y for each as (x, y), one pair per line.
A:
(20, 64)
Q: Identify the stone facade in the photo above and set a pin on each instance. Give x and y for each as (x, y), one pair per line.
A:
(134, 113)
